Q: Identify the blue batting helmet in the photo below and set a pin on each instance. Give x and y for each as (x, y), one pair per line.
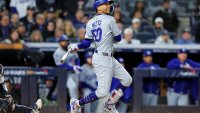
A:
(88, 54)
(100, 2)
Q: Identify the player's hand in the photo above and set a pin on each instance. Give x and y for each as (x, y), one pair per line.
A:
(74, 48)
(77, 69)
(186, 66)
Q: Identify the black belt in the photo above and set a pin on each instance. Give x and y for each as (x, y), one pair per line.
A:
(104, 53)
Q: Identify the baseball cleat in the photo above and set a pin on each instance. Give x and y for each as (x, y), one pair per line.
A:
(110, 108)
(74, 106)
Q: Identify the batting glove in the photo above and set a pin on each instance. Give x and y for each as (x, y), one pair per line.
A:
(74, 48)
(77, 69)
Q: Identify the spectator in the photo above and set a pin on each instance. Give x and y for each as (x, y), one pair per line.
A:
(158, 27)
(14, 20)
(57, 35)
(129, 38)
(69, 7)
(4, 27)
(28, 20)
(118, 17)
(36, 36)
(49, 30)
(51, 14)
(81, 34)
(136, 26)
(85, 19)
(170, 18)
(20, 7)
(178, 91)
(69, 29)
(120, 26)
(139, 8)
(13, 38)
(77, 20)
(197, 9)
(43, 5)
(59, 23)
(21, 30)
(150, 87)
(4, 10)
(186, 37)
(40, 23)
(164, 39)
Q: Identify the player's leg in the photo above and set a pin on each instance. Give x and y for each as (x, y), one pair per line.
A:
(103, 71)
(125, 81)
(154, 100)
(172, 98)
(183, 100)
(146, 99)
(87, 107)
(72, 85)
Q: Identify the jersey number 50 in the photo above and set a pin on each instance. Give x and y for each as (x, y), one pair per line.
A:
(97, 34)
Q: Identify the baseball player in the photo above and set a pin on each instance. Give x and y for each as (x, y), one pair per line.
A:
(103, 29)
(88, 82)
(128, 93)
(7, 104)
(72, 64)
(178, 91)
(150, 87)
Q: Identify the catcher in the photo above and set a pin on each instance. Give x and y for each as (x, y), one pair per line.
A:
(7, 104)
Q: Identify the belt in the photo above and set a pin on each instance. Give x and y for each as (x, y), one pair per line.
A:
(104, 53)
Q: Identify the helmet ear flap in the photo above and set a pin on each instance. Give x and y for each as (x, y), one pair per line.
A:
(112, 8)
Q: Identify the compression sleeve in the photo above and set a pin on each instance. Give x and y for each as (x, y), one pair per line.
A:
(118, 38)
(85, 44)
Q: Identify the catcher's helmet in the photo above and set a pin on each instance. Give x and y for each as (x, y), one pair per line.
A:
(100, 2)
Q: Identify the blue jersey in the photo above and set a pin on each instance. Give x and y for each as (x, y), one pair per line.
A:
(150, 86)
(183, 85)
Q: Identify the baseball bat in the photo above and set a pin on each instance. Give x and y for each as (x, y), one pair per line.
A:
(65, 56)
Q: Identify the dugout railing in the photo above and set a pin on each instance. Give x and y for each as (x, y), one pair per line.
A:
(29, 88)
(140, 74)
(29, 85)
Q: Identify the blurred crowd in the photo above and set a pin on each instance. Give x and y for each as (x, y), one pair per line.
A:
(46, 20)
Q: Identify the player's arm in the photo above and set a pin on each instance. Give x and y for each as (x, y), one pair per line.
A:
(194, 64)
(86, 42)
(115, 30)
(173, 64)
